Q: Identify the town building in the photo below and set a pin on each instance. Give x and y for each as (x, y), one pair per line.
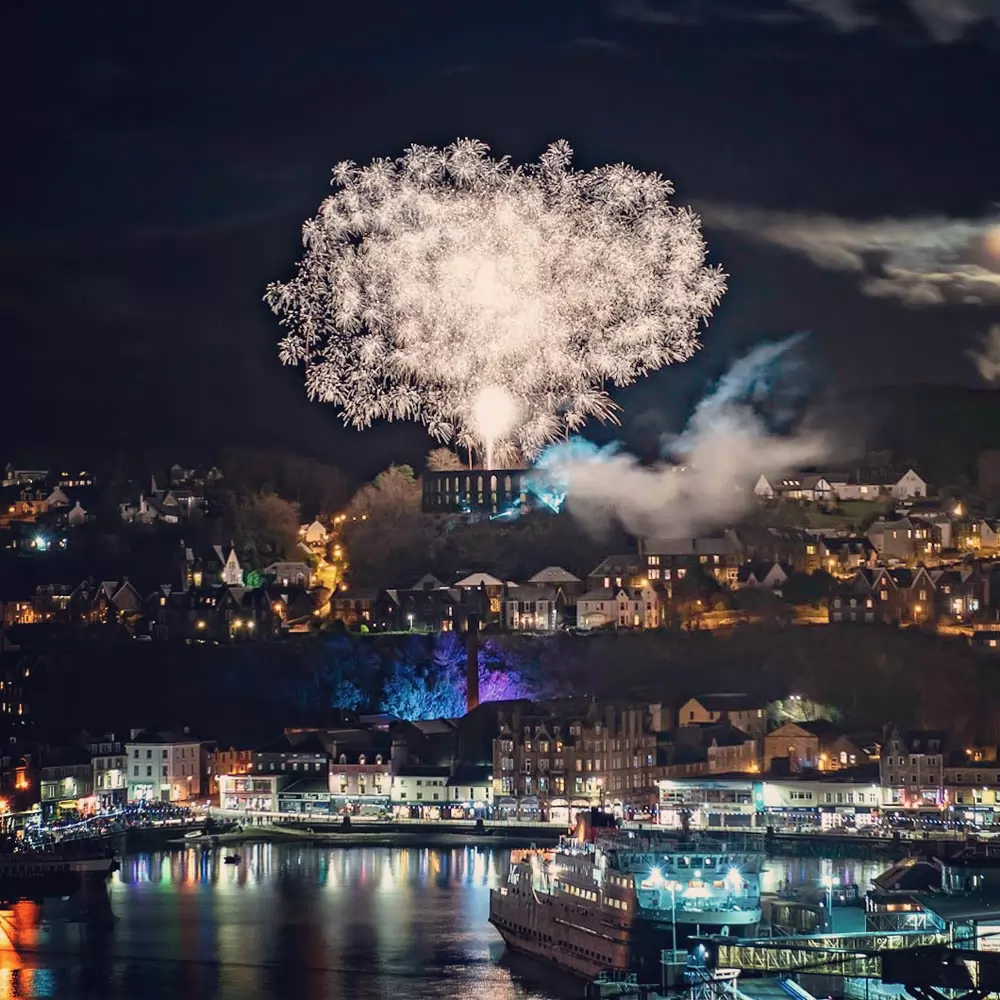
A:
(618, 607)
(618, 571)
(360, 782)
(533, 607)
(66, 784)
(885, 596)
(906, 540)
(669, 560)
(420, 790)
(163, 767)
(742, 711)
(226, 761)
(109, 765)
(298, 754)
(250, 793)
(911, 768)
(565, 756)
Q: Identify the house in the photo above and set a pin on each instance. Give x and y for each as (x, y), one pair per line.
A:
(66, 782)
(618, 607)
(742, 711)
(817, 745)
(315, 534)
(766, 487)
(23, 477)
(795, 549)
(908, 485)
(470, 788)
(911, 769)
(726, 749)
(883, 596)
(618, 571)
(246, 793)
(963, 592)
(298, 755)
(857, 486)
(213, 565)
(979, 534)
(360, 780)
(533, 607)
(483, 590)
(762, 575)
(420, 790)
(668, 560)
(110, 768)
(359, 606)
(846, 554)
(904, 540)
(226, 761)
(555, 576)
(286, 573)
(430, 610)
(428, 582)
(163, 767)
(808, 488)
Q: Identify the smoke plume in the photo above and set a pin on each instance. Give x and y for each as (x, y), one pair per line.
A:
(987, 358)
(708, 476)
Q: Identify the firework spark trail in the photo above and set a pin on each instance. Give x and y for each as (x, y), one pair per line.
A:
(490, 302)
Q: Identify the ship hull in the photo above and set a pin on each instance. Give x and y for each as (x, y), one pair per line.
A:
(32, 871)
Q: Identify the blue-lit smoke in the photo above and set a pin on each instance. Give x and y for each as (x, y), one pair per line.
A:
(707, 477)
(547, 483)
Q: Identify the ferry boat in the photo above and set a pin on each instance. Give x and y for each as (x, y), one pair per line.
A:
(615, 900)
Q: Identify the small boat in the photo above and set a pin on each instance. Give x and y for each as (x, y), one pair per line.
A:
(231, 859)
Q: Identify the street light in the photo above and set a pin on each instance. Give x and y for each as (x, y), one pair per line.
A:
(829, 882)
(409, 618)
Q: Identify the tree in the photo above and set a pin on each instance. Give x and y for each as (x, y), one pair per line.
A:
(443, 460)
(265, 528)
(386, 534)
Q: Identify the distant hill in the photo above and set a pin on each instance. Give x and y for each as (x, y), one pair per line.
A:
(939, 429)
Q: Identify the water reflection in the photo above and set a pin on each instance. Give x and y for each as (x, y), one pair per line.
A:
(287, 921)
(294, 921)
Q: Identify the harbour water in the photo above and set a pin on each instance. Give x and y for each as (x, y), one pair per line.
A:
(304, 923)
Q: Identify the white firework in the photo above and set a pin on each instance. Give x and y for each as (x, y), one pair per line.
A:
(491, 302)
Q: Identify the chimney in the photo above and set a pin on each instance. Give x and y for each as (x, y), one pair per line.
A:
(472, 663)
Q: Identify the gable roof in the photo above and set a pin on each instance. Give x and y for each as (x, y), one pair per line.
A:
(554, 575)
(617, 565)
(727, 701)
(712, 546)
(478, 580)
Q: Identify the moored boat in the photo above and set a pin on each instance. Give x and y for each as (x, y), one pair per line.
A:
(618, 901)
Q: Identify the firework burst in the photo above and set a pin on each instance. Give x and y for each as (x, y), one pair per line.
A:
(491, 302)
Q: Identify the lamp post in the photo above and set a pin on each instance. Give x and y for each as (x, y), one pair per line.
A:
(673, 918)
(829, 881)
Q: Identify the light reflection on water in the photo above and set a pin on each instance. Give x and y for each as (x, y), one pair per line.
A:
(297, 922)
(304, 923)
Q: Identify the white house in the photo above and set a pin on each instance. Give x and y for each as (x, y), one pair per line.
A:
(232, 571)
(617, 607)
(163, 767)
(471, 786)
(908, 485)
(531, 607)
(765, 488)
(419, 786)
(315, 535)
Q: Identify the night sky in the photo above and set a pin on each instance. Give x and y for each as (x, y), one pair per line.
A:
(160, 159)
